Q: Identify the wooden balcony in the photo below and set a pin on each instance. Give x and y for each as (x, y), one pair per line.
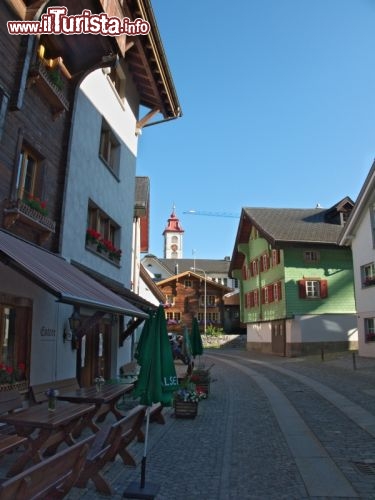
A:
(43, 78)
(17, 210)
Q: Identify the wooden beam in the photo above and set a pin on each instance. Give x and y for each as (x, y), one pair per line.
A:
(142, 122)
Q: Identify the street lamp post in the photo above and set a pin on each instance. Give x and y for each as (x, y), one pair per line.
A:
(205, 296)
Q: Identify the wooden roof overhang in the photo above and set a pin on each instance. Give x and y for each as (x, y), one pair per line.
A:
(82, 53)
(243, 235)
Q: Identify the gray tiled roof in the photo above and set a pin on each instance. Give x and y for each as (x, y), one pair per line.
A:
(209, 265)
(294, 225)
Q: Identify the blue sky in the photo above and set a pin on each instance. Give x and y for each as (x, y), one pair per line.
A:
(278, 101)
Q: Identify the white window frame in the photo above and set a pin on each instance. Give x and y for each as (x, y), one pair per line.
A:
(109, 148)
(369, 326)
(312, 289)
(368, 274)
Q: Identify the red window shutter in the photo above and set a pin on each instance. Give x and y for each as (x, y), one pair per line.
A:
(251, 299)
(261, 264)
(270, 293)
(244, 272)
(263, 296)
(323, 289)
(279, 289)
(302, 289)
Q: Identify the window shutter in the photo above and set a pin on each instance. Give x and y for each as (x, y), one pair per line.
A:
(270, 293)
(263, 295)
(261, 264)
(323, 289)
(279, 289)
(302, 289)
(244, 272)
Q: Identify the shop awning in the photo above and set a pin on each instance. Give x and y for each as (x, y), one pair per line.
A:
(60, 278)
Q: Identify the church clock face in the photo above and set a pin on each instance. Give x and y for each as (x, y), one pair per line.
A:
(174, 247)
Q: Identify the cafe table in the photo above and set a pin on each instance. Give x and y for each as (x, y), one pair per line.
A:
(104, 398)
(46, 430)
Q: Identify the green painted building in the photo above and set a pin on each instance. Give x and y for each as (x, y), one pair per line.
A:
(296, 282)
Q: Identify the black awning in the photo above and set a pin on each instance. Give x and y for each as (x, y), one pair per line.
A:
(60, 278)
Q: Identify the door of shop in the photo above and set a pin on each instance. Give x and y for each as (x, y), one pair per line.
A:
(278, 337)
(94, 354)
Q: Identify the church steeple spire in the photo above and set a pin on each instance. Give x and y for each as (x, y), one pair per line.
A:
(173, 235)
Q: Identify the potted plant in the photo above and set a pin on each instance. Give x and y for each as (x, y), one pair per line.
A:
(201, 378)
(186, 400)
(52, 394)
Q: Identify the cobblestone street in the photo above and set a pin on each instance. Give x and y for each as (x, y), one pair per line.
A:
(272, 428)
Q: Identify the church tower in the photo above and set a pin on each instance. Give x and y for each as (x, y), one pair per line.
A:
(173, 235)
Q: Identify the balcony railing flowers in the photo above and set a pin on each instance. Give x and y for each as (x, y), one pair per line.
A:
(11, 375)
(103, 246)
(36, 204)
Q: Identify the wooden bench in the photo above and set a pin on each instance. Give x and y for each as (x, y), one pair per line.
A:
(111, 441)
(10, 401)
(38, 391)
(50, 478)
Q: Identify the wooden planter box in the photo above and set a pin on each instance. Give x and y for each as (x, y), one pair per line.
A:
(22, 386)
(185, 409)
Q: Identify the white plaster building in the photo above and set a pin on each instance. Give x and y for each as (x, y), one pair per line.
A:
(359, 232)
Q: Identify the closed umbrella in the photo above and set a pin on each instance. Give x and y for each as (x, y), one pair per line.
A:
(187, 345)
(196, 339)
(157, 381)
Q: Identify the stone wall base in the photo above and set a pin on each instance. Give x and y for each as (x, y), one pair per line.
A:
(303, 349)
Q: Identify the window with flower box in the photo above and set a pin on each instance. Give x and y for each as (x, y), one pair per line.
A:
(370, 329)
(29, 179)
(368, 275)
(213, 317)
(170, 299)
(102, 234)
(173, 317)
(15, 326)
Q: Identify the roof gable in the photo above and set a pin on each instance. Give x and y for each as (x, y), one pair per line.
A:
(289, 226)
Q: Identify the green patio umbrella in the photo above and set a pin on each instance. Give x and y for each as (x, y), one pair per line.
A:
(157, 381)
(196, 339)
(187, 345)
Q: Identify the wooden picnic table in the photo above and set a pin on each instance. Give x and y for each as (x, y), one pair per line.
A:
(46, 430)
(104, 399)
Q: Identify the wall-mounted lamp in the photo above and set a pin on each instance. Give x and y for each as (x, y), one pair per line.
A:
(70, 335)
